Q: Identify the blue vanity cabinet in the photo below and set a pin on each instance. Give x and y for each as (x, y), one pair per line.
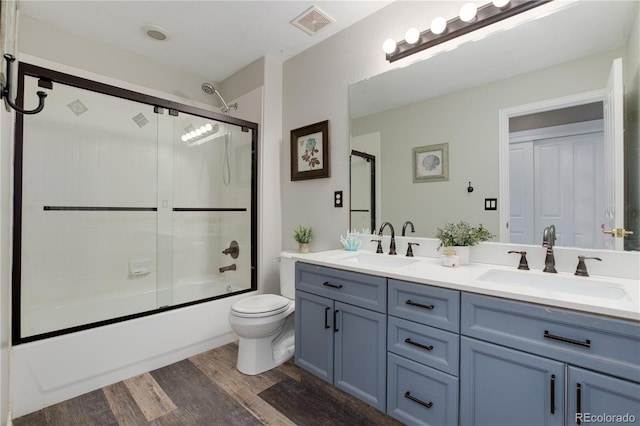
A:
(502, 386)
(596, 398)
(423, 350)
(337, 340)
(523, 363)
(314, 334)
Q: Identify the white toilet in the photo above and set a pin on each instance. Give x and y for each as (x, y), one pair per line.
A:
(264, 324)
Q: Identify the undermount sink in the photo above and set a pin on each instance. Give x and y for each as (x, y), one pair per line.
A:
(556, 283)
(382, 260)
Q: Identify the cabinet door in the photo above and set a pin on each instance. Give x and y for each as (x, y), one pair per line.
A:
(314, 334)
(360, 354)
(595, 398)
(501, 386)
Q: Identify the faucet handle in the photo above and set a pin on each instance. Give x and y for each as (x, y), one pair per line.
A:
(410, 250)
(379, 249)
(581, 269)
(523, 260)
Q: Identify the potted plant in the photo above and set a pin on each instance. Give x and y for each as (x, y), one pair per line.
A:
(303, 236)
(460, 236)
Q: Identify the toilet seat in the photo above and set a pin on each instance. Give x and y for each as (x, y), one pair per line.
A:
(261, 305)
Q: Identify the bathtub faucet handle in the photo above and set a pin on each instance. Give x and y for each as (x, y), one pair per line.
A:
(233, 249)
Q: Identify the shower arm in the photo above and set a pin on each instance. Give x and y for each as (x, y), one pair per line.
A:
(226, 108)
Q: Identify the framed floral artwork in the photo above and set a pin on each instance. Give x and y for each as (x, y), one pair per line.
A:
(431, 163)
(310, 151)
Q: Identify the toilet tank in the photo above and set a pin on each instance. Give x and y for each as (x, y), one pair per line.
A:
(287, 275)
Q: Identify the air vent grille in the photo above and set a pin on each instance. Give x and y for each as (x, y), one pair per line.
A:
(312, 20)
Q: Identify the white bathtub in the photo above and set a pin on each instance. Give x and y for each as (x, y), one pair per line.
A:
(91, 310)
(52, 370)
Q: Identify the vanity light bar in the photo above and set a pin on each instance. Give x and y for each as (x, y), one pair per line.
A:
(485, 15)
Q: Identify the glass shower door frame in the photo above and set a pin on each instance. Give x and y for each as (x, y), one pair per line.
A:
(50, 78)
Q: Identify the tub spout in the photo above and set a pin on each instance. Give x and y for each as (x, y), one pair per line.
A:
(231, 267)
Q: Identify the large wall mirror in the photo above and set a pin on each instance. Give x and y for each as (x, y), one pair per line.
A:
(543, 85)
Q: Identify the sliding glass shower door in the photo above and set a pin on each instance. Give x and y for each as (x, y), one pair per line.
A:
(124, 207)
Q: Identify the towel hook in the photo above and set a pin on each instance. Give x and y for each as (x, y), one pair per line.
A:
(5, 91)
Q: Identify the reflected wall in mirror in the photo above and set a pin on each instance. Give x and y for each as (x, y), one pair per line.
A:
(456, 98)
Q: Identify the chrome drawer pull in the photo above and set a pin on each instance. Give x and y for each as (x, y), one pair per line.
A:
(585, 344)
(420, 345)
(419, 305)
(414, 399)
(328, 284)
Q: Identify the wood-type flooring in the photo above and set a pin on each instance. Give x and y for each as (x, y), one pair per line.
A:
(206, 389)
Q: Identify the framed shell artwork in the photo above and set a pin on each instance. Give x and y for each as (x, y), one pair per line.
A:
(431, 163)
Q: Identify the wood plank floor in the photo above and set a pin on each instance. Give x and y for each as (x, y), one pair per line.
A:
(208, 390)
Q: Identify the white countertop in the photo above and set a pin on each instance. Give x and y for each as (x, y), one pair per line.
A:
(428, 270)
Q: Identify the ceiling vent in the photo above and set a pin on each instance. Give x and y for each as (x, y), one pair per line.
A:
(312, 20)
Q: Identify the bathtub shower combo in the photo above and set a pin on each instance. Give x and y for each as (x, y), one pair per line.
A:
(126, 205)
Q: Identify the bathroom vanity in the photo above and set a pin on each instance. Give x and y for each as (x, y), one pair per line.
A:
(442, 346)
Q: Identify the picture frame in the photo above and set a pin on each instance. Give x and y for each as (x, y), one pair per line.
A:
(431, 163)
(310, 151)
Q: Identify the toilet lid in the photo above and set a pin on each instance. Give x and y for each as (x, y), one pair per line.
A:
(261, 303)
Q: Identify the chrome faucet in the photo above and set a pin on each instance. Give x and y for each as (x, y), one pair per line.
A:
(392, 247)
(548, 239)
(404, 227)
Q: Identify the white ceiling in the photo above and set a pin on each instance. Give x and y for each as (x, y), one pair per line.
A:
(210, 38)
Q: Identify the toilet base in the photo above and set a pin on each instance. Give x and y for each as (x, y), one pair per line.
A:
(256, 356)
(251, 365)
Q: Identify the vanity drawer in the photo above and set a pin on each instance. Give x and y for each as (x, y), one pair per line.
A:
(596, 342)
(419, 395)
(426, 345)
(438, 307)
(366, 291)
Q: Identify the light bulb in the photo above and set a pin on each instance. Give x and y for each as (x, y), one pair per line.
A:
(468, 12)
(184, 138)
(389, 46)
(208, 127)
(438, 25)
(198, 132)
(412, 36)
(193, 134)
(500, 3)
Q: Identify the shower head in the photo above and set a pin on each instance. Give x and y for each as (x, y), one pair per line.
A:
(210, 90)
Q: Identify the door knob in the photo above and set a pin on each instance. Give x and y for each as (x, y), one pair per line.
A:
(618, 232)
